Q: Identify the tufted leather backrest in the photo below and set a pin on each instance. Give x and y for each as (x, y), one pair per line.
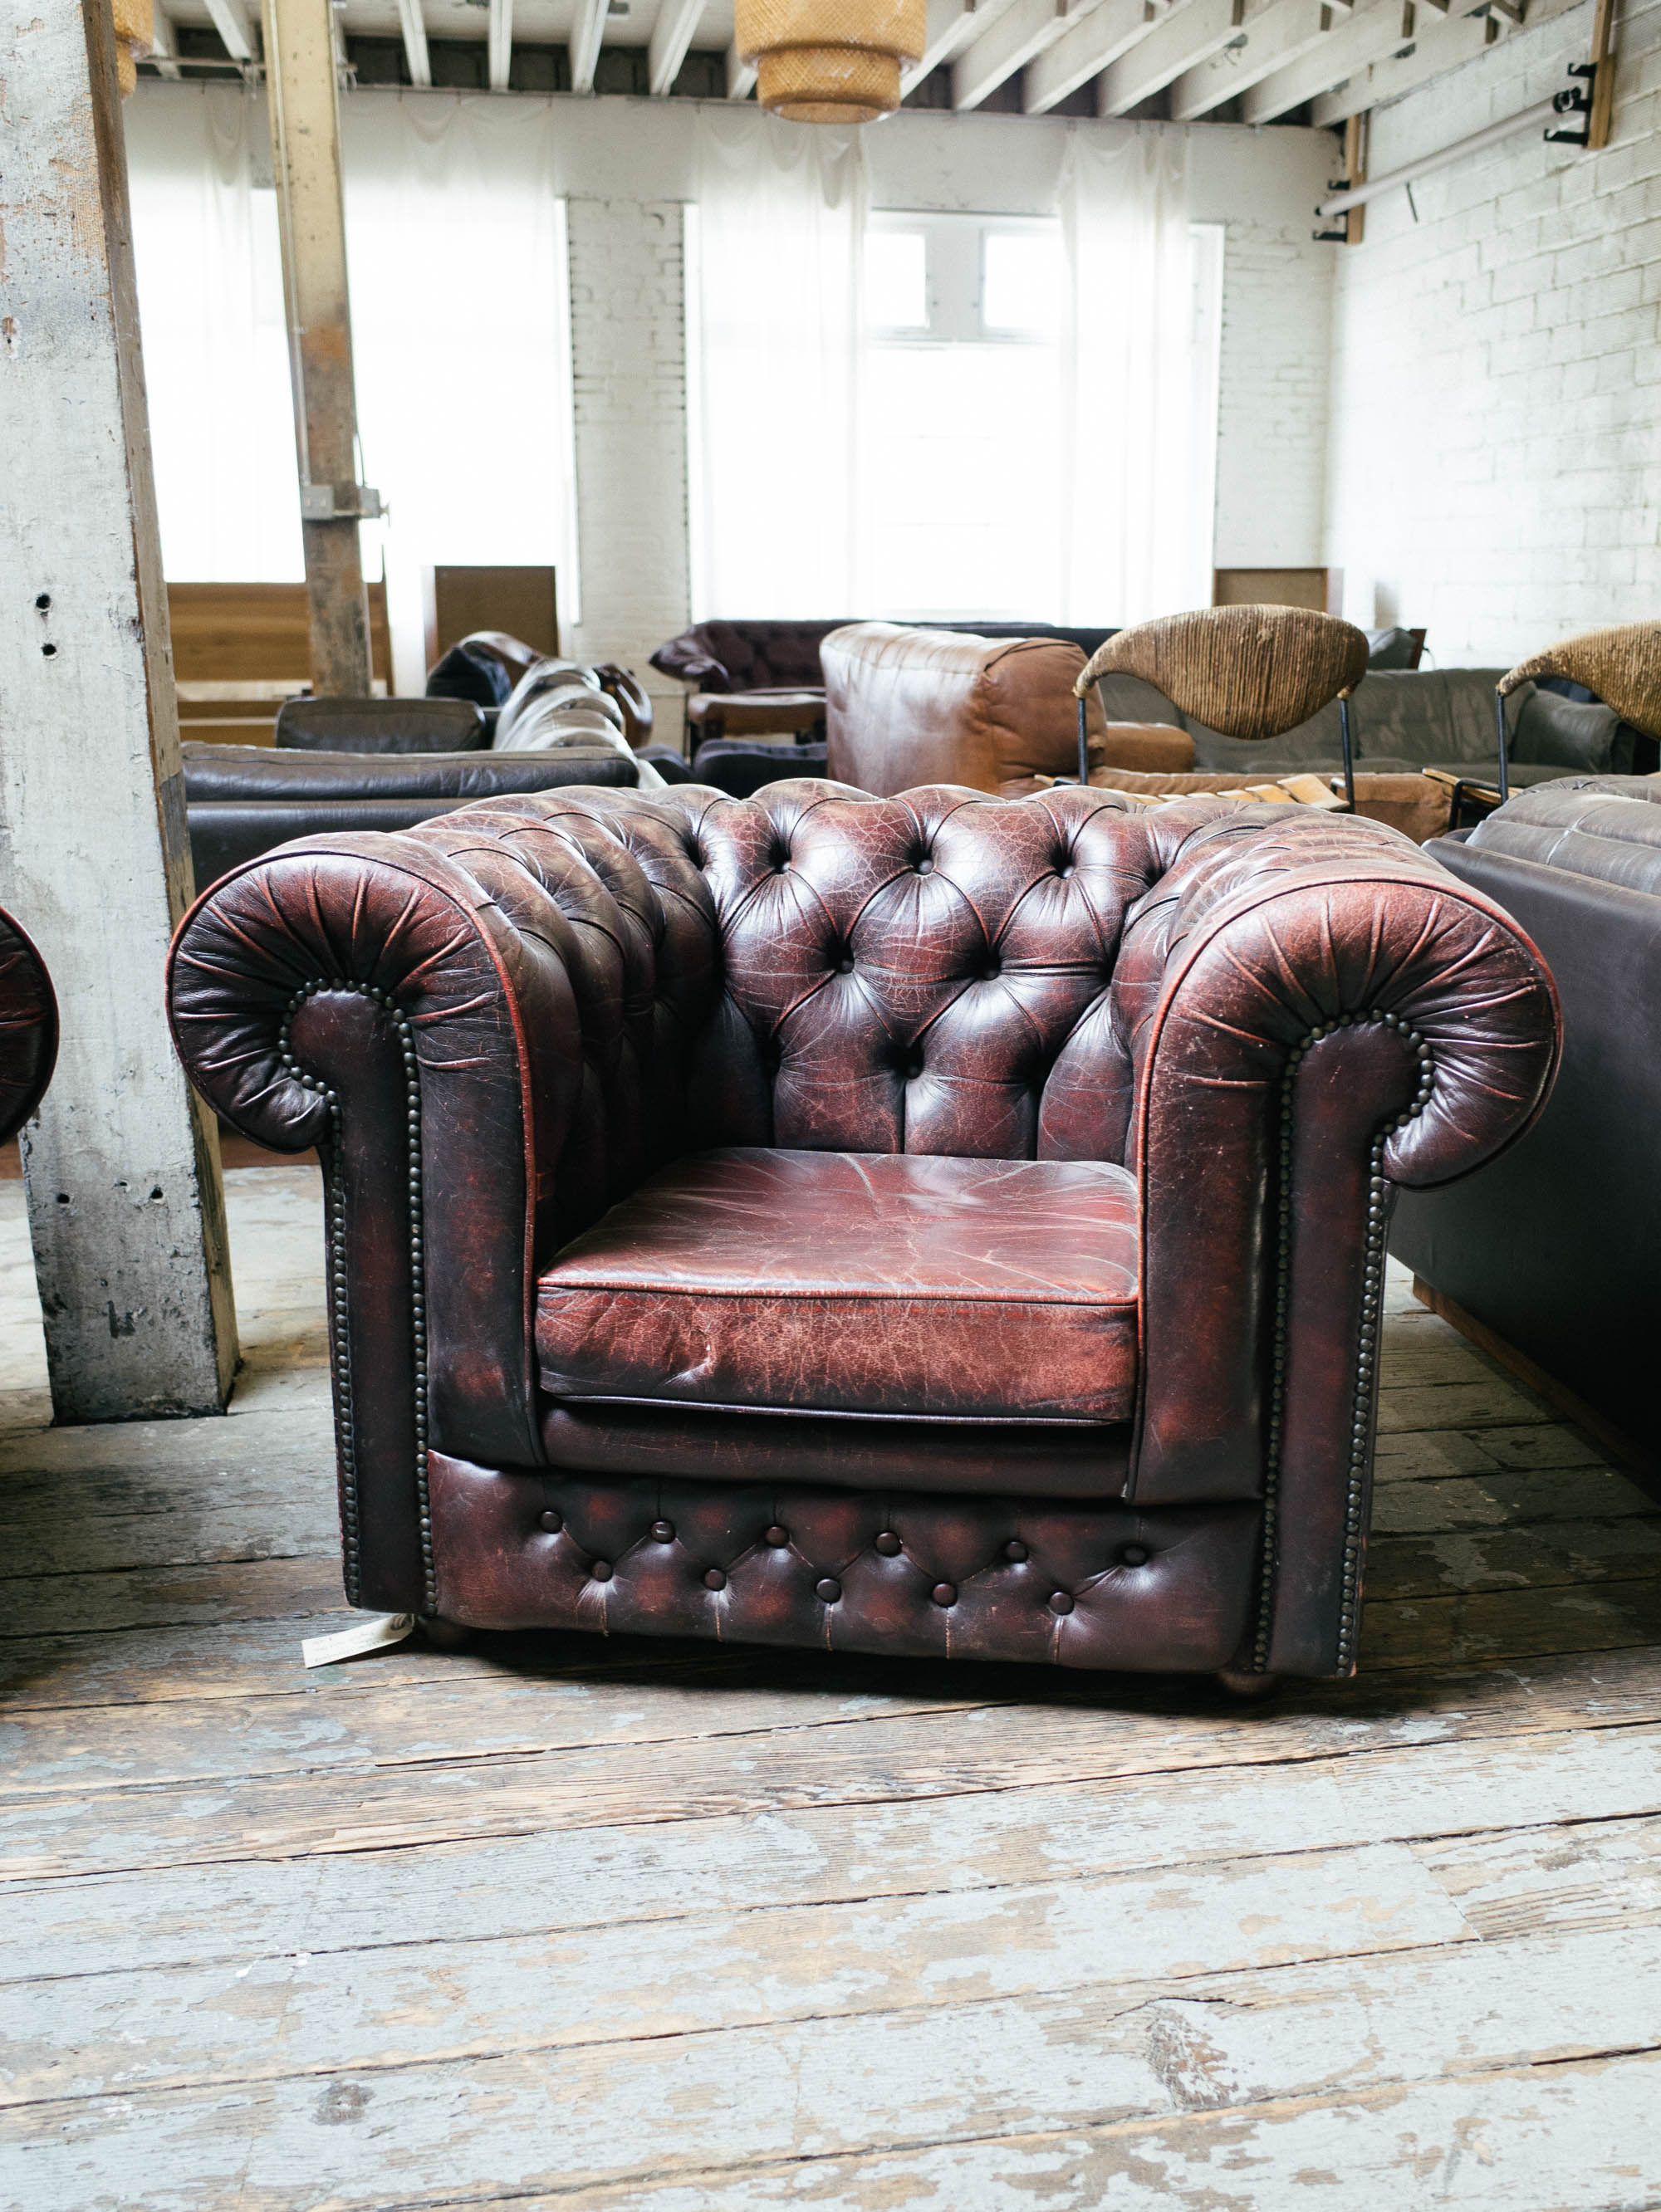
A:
(815, 969)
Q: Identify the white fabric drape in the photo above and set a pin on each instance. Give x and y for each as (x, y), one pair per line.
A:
(216, 349)
(1137, 533)
(455, 239)
(776, 285)
(456, 248)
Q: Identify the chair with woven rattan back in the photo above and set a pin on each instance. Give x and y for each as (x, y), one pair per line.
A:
(1251, 673)
(1619, 664)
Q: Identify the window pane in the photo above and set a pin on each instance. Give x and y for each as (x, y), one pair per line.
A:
(896, 280)
(1021, 283)
(959, 514)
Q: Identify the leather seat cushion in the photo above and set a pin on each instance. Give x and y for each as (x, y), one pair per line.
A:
(869, 1283)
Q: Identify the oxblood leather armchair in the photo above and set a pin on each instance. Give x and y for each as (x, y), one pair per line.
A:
(935, 1226)
(28, 1028)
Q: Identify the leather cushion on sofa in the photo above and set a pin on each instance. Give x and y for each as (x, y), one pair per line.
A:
(1572, 732)
(876, 1283)
(380, 725)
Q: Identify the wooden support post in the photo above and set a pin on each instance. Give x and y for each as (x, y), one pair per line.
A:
(1602, 86)
(305, 114)
(1355, 173)
(126, 1210)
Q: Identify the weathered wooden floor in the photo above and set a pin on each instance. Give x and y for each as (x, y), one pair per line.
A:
(560, 1922)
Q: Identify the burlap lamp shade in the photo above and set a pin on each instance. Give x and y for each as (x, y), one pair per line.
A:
(135, 37)
(830, 60)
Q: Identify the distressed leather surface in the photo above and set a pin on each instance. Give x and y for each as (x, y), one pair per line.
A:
(594, 984)
(28, 1028)
(1020, 1459)
(905, 708)
(849, 1571)
(855, 1283)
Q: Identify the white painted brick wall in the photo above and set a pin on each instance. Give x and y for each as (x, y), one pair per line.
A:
(629, 376)
(1494, 466)
(1272, 394)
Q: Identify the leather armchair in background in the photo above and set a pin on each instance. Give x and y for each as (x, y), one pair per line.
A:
(906, 707)
(28, 1027)
(941, 1225)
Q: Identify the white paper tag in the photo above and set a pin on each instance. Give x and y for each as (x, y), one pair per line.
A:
(380, 1628)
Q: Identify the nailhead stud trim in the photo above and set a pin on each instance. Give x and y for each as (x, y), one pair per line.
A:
(340, 1359)
(1366, 1350)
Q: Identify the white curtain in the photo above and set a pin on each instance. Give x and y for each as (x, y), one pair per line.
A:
(455, 239)
(775, 290)
(216, 349)
(1137, 538)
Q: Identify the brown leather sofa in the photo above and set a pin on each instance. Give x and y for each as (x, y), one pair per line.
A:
(28, 1028)
(906, 707)
(935, 1226)
(1552, 1251)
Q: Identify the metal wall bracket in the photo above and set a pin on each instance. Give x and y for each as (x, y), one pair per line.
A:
(1575, 99)
(352, 502)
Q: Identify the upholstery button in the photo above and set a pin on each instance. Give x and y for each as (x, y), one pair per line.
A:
(889, 1545)
(1135, 1555)
(925, 865)
(664, 1531)
(1061, 1601)
(715, 1579)
(913, 1068)
(552, 1523)
(777, 1537)
(600, 1569)
(944, 1593)
(1014, 1549)
(845, 965)
(830, 1589)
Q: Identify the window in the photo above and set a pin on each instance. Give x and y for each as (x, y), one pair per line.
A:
(960, 417)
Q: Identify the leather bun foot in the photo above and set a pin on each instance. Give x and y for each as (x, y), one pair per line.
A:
(446, 1635)
(1247, 1689)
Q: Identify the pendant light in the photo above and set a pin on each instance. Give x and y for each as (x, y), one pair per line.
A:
(830, 60)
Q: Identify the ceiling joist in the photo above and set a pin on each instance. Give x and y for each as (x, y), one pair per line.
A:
(413, 27)
(588, 29)
(501, 43)
(1180, 40)
(1280, 35)
(1086, 49)
(740, 75)
(671, 35)
(164, 47)
(1018, 36)
(230, 20)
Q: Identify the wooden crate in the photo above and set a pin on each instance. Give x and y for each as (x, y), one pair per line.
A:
(240, 650)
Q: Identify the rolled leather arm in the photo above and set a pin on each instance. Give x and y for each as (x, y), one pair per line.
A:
(28, 1028)
(443, 1012)
(1316, 1014)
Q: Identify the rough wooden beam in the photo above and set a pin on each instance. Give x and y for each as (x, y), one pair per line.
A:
(1603, 90)
(230, 20)
(305, 114)
(1085, 50)
(587, 31)
(1280, 35)
(412, 25)
(1017, 37)
(672, 35)
(126, 1210)
(500, 43)
(740, 75)
(1178, 43)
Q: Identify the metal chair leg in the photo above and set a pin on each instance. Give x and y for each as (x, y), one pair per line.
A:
(1084, 746)
(1500, 716)
(1349, 762)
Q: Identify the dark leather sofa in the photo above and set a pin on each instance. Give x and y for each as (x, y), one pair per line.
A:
(935, 1226)
(343, 765)
(1552, 1250)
